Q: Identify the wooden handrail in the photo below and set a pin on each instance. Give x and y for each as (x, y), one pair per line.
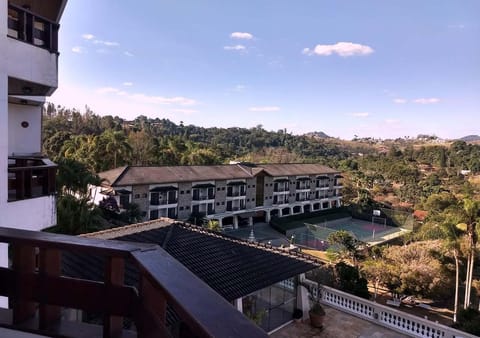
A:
(163, 281)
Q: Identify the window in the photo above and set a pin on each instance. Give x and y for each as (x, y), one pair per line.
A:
(153, 214)
(154, 198)
(124, 201)
(137, 195)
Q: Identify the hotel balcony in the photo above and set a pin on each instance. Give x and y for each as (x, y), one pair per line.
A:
(41, 297)
(32, 47)
(30, 177)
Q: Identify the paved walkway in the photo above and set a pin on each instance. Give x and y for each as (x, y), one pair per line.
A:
(337, 324)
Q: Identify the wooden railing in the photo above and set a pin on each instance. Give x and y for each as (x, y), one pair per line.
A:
(30, 177)
(38, 291)
(31, 28)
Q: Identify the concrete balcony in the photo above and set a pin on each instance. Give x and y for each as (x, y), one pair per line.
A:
(30, 177)
(40, 295)
(31, 53)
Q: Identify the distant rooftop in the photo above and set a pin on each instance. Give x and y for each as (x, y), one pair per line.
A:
(137, 175)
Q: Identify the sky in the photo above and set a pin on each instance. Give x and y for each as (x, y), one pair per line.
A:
(371, 68)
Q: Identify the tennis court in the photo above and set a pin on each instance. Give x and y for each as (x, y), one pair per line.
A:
(314, 235)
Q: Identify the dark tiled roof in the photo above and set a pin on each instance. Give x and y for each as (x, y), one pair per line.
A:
(132, 175)
(231, 267)
(293, 169)
(172, 174)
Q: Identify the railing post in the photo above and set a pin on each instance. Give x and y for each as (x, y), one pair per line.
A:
(23, 265)
(152, 318)
(114, 276)
(50, 266)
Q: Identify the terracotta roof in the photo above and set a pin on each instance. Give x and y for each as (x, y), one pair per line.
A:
(420, 214)
(232, 267)
(133, 175)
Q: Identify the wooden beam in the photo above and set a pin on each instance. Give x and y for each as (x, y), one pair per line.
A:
(50, 266)
(69, 292)
(114, 276)
(23, 263)
(151, 315)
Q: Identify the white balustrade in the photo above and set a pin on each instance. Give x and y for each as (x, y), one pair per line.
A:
(382, 315)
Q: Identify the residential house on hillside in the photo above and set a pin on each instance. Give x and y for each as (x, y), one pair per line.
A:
(259, 280)
(231, 194)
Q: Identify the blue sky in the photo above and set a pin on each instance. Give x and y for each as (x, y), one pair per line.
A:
(347, 67)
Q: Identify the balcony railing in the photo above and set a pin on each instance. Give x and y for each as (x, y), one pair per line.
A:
(30, 177)
(382, 315)
(203, 197)
(31, 28)
(163, 202)
(38, 291)
(236, 193)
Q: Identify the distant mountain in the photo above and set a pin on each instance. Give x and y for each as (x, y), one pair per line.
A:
(317, 134)
(470, 138)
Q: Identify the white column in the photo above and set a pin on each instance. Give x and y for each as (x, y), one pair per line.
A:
(238, 303)
(235, 222)
(220, 222)
(250, 221)
(268, 217)
(3, 135)
(303, 302)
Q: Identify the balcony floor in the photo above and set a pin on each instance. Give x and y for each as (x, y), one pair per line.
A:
(337, 324)
(17, 334)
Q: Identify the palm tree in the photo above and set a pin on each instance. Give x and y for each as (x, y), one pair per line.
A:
(452, 244)
(117, 144)
(471, 209)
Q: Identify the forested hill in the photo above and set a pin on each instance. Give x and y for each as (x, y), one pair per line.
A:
(104, 142)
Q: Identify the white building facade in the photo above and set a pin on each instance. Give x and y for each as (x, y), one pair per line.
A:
(28, 73)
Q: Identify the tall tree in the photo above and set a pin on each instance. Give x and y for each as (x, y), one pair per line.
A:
(116, 144)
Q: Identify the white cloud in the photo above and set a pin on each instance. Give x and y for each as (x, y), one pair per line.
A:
(106, 43)
(128, 84)
(143, 98)
(457, 26)
(107, 90)
(78, 49)
(88, 36)
(127, 53)
(236, 47)
(340, 48)
(392, 121)
(264, 108)
(430, 100)
(399, 101)
(239, 88)
(363, 114)
(183, 101)
(241, 35)
(185, 111)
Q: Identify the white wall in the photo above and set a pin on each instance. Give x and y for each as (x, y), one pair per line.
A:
(24, 140)
(28, 62)
(3, 107)
(30, 214)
